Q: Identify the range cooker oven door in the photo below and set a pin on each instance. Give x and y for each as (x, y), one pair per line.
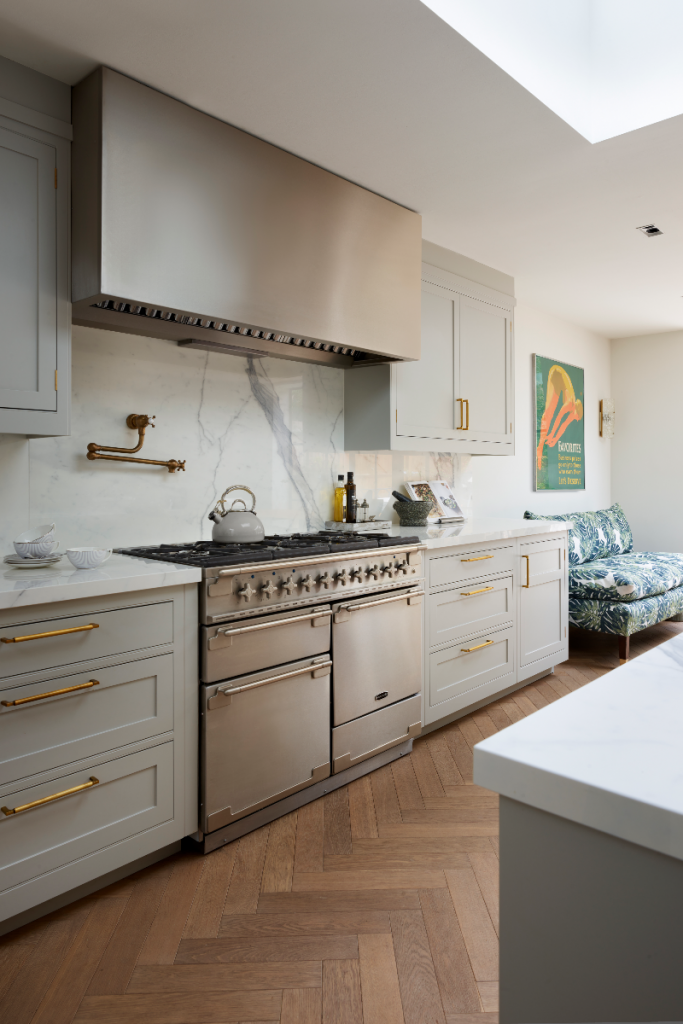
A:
(377, 650)
(263, 736)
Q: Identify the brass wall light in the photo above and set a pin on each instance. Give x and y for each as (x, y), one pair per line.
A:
(139, 423)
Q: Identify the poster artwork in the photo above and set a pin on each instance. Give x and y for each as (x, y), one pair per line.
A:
(559, 458)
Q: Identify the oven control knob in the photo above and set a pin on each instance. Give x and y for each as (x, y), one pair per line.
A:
(268, 589)
(403, 567)
(246, 592)
(357, 573)
(325, 580)
(373, 570)
(390, 570)
(288, 584)
(342, 577)
(307, 582)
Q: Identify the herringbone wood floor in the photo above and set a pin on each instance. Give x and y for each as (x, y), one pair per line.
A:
(375, 905)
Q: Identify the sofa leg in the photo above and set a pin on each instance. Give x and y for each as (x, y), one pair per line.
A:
(624, 648)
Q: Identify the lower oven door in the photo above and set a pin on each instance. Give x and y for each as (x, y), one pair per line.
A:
(377, 650)
(263, 736)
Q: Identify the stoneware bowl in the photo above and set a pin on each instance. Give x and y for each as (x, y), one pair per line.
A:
(88, 558)
(413, 513)
(36, 542)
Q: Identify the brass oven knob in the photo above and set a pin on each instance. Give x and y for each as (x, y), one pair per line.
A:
(307, 582)
(325, 580)
(268, 589)
(288, 584)
(246, 592)
(403, 567)
(390, 570)
(373, 570)
(357, 573)
(342, 577)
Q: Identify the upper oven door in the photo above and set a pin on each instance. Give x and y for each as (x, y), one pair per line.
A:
(377, 650)
(260, 643)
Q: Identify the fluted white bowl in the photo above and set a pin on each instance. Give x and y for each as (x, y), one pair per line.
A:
(37, 542)
(88, 558)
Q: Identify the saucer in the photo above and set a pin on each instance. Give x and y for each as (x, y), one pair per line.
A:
(17, 562)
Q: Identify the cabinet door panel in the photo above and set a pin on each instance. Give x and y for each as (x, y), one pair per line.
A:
(425, 390)
(28, 273)
(484, 369)
(542, 601)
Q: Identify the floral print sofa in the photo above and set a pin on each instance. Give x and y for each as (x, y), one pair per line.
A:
(613, 589)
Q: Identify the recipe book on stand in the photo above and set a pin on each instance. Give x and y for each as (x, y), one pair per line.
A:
(445, 508)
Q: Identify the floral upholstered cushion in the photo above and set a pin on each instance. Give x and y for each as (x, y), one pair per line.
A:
(594, 534)
(624, 617)
(627, 577)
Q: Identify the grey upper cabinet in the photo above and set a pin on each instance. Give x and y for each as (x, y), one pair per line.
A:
(34, 327)
(459, 396)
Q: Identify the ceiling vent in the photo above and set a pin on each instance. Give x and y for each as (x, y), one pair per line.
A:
(650, 230)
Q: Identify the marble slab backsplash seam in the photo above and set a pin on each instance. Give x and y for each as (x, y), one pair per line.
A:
(275, 425)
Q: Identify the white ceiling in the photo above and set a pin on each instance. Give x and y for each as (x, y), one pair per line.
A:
(386, 94)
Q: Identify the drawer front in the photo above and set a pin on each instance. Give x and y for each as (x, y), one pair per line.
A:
(469, 609)
(465, 666)
(359, 740)
(132, 794)
(237, 649)
(104, 710)
(115, 632)
(468, 565)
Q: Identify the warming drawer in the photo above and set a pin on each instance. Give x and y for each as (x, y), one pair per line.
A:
(370, 735)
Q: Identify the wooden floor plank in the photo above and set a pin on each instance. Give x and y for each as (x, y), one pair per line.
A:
(167, 928)
(406, 861)
(472, 1018)
(486, 871)
(405, 845)
(488, 992)
(337, 822)
(407, 789)
(427, 776)
(219, 977)
(452, 965)
(63, 997)
(478, 931)
(499, 717)
(532, 691)
(278, 866)
(206, 909)
(454, 801)
(461, 751)
(362, 810)
(308, 851)
(408, 878)
(434, 829)
(301, 1006)
(342, 1001)
(417, 980)
(384, 795)
(456, 815)
(448, 771)
(266, 949)
(484, 722)
(523, 703)
(245, 882)
(379, 981)
(317, 902)
(470, 730)
(181, 1008)
(247, 926)
(512, 710)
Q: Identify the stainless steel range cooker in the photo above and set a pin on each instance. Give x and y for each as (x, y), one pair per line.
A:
(310, 668)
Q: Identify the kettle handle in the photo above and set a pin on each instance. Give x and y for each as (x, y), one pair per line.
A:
(220, 508)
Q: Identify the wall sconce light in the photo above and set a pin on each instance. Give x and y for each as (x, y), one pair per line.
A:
(606, 417)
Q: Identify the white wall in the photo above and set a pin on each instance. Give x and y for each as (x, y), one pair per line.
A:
(647, 477)
(504, 485)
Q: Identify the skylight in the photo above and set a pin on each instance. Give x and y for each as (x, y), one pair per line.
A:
(606, 67)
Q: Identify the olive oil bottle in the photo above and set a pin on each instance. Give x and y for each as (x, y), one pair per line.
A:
(339, 499)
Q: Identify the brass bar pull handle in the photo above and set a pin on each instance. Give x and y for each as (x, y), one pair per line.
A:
(471, 593)
(468, 650)
(49, 799)
(480, 558)
(527, 584)
(462, 416)
(467, 421)
(54, 632)
(52, 693)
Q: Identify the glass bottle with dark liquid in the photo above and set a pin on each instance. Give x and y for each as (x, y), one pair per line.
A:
(350, 499)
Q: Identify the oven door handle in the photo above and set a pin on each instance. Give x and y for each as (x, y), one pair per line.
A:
(312, 616)
(373, 604)
(314, 669)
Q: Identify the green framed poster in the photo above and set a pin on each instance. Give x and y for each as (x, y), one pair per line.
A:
(560, 456)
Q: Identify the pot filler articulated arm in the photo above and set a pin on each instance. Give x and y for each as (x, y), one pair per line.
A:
(139, 423)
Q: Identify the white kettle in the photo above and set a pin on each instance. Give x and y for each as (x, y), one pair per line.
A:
(235, 525)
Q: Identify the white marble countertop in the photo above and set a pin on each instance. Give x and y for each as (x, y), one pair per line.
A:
(20, 588)
(474, 531)
(608, 756)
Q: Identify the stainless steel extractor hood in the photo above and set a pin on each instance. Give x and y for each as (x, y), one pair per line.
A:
(189, 229)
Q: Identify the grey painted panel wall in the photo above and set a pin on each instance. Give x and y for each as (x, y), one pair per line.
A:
(32, 89)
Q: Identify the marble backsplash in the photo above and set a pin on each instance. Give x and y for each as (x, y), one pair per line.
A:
(274, 425)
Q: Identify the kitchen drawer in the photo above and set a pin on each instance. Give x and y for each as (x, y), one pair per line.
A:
(359, 740)
(465, 666)
(236, 648)
(468, 565)
(117, 632)
(469, 609)
(132, 794)
(128, 703)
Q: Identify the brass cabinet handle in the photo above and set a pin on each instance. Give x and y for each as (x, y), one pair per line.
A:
(467, 411)
(481, 558)
(470, 593)
(468, 650)
(464, 404)
(52, 693)
(462, 418)
(41, 636)
(49, 799)
(527, 584)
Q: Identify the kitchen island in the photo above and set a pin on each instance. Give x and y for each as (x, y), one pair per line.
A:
(591, 854)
